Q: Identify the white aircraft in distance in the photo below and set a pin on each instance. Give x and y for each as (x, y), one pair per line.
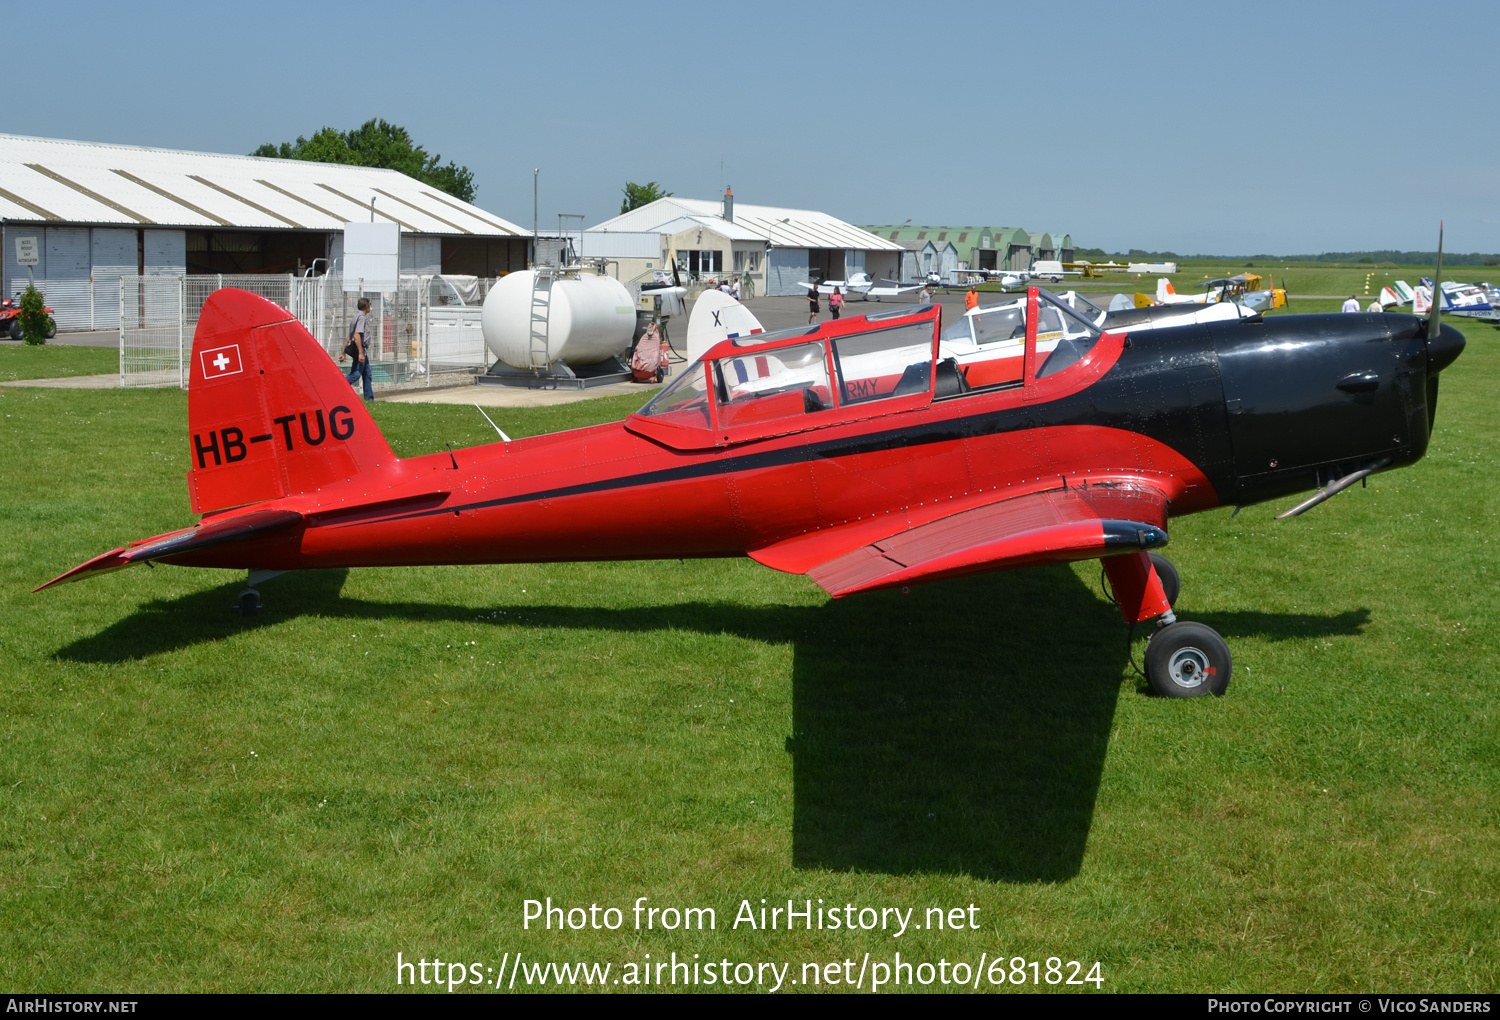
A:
(861, 284)
(1054, 271)
(1138, 268)
(1470, 300)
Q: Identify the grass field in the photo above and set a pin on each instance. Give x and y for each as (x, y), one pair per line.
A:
(54, 361)
(393, 760)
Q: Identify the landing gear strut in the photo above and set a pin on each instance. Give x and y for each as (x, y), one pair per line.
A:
(1183, 659)
(248, 602)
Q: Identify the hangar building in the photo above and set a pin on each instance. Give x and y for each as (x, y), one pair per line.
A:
(776, 248)
(986, 247)
(101, 211)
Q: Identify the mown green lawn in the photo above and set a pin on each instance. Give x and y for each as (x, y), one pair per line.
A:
(394, 760)
(54, 361)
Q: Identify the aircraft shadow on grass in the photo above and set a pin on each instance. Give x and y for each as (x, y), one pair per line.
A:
(961, 729)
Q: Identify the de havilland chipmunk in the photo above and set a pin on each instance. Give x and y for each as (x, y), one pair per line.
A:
(871, 452)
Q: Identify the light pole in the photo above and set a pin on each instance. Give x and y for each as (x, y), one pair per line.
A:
(535, 177)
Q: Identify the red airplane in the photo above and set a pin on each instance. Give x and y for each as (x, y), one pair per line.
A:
(867, 453)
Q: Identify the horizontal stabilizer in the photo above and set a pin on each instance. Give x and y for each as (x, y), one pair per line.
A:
(209, 532)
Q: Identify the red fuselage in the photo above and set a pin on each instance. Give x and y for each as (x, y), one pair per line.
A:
(863, 471)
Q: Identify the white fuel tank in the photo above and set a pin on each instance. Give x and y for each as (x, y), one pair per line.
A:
(591, 317)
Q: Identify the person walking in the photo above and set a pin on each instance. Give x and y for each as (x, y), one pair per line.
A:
(812, 304)
(358, 348)
(971, 300)
(1351, 305)
(1375, 306)
(734, 290)
(836, 302)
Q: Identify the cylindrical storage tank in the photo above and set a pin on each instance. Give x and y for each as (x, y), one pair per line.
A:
(590, 318)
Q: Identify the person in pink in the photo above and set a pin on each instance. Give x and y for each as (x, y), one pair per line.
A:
(649, 365)
(836, 302)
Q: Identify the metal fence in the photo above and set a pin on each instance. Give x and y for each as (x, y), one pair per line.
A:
(425, 333)
(78, 304)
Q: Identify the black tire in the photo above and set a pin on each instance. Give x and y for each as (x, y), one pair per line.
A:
(15, 328)
(51, 327)
(1187, 660)
(249, 603)
(1171, 583)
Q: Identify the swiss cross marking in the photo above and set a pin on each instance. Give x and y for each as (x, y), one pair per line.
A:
(222, 361)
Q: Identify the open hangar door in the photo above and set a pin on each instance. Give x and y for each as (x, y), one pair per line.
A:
(825, 264)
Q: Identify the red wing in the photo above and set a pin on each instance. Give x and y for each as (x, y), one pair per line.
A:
(1044, 527)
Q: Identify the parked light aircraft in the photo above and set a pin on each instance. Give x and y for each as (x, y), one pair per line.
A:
(1009, 278)
(1243, 289)
(861, 284)
(877, 451)
(1468, 300)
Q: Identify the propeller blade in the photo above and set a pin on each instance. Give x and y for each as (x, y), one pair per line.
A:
(1434, 320)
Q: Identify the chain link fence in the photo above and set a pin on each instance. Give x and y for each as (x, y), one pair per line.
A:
(425, 333)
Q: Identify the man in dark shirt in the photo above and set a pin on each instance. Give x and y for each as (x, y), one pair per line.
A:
(359, 335)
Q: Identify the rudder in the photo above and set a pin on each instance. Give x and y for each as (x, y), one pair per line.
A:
(269, 413)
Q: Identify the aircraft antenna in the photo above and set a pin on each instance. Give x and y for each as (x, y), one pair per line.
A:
(492, 423)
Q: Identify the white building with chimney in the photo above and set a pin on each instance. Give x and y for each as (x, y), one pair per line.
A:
(771, 249)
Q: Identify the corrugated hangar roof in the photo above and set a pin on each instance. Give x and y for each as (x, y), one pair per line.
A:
(783, 228)
(55, 180)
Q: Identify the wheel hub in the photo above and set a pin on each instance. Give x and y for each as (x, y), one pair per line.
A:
(1188, 667)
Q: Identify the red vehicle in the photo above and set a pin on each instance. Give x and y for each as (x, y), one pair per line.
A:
(10, 319)
(866, 453)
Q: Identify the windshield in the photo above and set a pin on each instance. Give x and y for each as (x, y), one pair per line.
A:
(684, 402)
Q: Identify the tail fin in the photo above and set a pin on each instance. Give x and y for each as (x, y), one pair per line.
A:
(1164, 288)
(269, 413)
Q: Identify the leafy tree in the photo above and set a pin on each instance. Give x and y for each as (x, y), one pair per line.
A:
(637, 195)
(35, 321)
(378, 143)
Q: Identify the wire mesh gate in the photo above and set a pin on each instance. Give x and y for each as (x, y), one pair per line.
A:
(426, 332)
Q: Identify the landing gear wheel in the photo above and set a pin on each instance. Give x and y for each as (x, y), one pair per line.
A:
(248, 603)
(1171, 583)
(1186, 660)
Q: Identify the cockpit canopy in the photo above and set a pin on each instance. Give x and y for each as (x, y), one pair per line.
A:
(773, 383)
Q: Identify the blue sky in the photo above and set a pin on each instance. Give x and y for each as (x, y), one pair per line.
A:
(1228, 128)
